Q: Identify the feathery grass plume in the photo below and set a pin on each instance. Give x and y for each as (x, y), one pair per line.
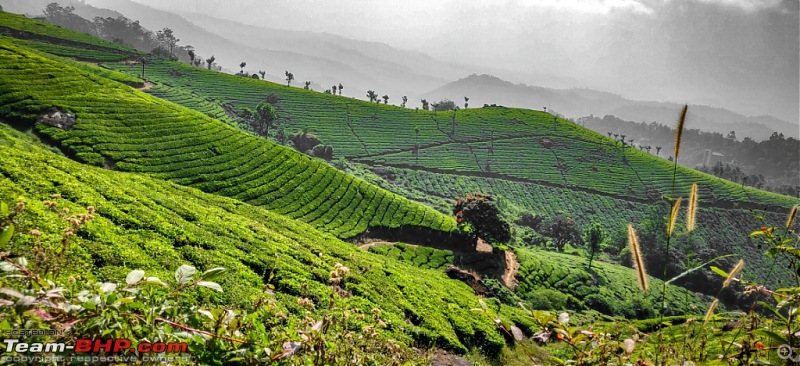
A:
(736, 269)
(711, 308)
(638, 260)
(679, 131)
(790, 220)
(692, 209)
(672, 216)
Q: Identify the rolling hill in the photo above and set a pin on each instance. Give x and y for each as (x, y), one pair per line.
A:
(575, 103)
(174, 180)
(170, 142)
(535, 162)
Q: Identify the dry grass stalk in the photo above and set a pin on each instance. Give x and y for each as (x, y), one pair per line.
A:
(638, 260)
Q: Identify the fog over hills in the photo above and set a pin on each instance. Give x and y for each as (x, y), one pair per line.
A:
(730, 59)
(575, 103)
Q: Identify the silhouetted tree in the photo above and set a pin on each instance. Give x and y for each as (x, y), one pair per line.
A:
(480, 214)
(263, 74)
(372, 95)
(198, 61)
(191, 56)
(308, 85)
(425, 104)
(466, 102)
(385, 99)
(340, 89)
(289, 77)
(241, 67)
(210, 61)
(167, 39)
(405, 99)
(334, 89)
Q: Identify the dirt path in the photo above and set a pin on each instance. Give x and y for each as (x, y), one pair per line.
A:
(147, 85)
(509, 277)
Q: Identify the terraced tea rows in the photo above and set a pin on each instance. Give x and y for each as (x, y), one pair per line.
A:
(120, 128)
(422, 257)
(564, 281)
(523, 145)
(149, 224)
(23, 28)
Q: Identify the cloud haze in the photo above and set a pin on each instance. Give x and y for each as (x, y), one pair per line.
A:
(738, 54)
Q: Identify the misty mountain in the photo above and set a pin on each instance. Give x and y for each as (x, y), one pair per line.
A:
(575, 103)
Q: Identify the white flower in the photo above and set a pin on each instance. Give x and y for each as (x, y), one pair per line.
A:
(628, 345)
(563, 318)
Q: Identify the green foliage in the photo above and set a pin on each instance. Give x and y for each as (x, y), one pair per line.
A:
(40, 29)
(422, 257)
(483, 217)
(188, 148)
(144, 223)
(607, 288)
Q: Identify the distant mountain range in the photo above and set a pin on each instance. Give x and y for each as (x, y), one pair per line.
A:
(327, 59)
(575, 103)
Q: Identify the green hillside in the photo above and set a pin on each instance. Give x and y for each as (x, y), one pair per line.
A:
(521, 145)
(123, 129)
(145, 223)
(538, 164)
(47, 37)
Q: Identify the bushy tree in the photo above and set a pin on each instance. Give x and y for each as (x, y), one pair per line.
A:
(444, 105)
(425, 104)
(385, 99)
(166, 38)
(562, 229)
(241, 67)
(479, 213)
(405, 99)
(265, 116)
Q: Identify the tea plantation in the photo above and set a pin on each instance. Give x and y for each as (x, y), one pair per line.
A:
(123, 129)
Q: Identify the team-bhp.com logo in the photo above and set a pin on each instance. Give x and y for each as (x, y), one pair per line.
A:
(89, 350)
(786, 352)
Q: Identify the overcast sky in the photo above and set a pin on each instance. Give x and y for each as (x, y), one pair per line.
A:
(738, 54)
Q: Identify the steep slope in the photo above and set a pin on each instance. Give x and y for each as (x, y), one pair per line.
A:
(121, 128)
(534, 162)
(145, 223)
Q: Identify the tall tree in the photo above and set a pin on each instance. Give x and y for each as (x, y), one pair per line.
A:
(265, 116)
(210, 61)
(425, 104)
(263, 74)
(307, 85)
(405, 99)
(241, 67)
(289, 78)
(372, 95)
(340, 89)
(466, 102)
(334, 89)
(191, 56)
(167, 39)
(594, 237)
(385, 99)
